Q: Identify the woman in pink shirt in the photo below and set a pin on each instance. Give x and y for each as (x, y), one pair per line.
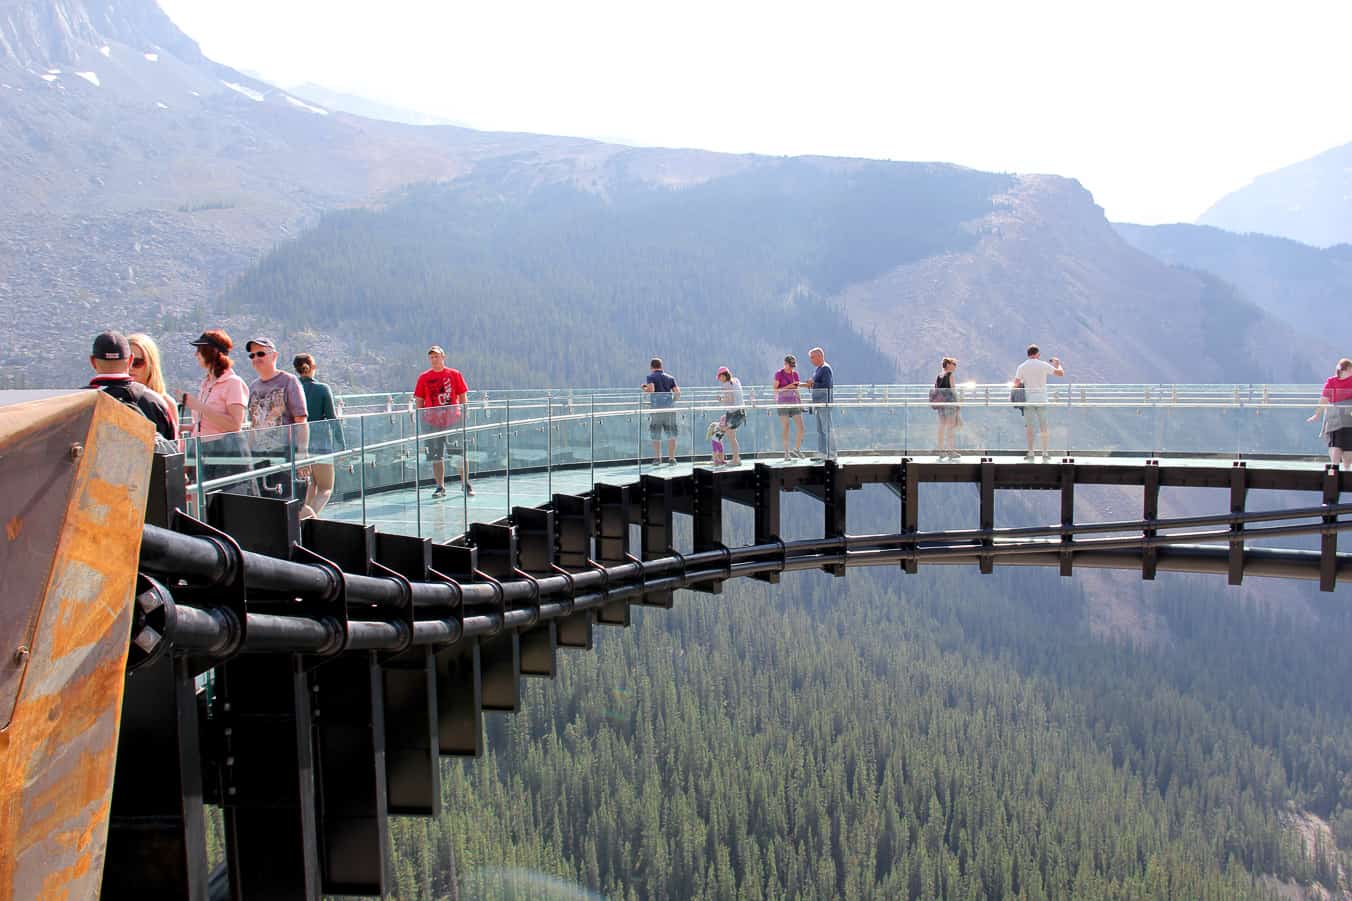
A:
(1335, 402)
(220, 405)
(786, 399)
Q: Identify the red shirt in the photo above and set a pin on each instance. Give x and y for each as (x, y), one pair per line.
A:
(440, 389)
(1338, 390)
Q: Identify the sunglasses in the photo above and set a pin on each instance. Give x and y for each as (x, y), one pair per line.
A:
(258, 353)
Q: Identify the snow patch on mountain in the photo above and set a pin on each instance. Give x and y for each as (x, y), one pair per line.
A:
(91, 77)
(106, 51)
(255, 96)
(151, 57)
(301, 104)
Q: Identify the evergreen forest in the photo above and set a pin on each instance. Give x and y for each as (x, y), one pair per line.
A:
(886, 736)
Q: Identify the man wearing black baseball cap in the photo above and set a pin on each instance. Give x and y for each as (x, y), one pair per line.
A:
(111, 359)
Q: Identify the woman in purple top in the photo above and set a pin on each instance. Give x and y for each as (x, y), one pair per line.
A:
(786, 399)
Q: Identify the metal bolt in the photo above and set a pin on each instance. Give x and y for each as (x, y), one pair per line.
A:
(226, 706)
(230, 790)
(229, 761)
(21, 654)
(76, 451)
(228, 730)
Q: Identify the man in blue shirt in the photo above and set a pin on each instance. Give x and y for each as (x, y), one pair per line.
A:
(822, 383)
(664, 419)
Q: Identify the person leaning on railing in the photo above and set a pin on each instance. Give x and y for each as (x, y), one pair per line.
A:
(1335, 402)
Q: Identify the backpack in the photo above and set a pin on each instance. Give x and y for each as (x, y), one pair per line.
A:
(939, 396)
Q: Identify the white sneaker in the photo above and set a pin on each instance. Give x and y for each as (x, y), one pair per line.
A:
(1030, 457)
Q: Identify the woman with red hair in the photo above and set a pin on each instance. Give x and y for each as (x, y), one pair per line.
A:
(219, 407)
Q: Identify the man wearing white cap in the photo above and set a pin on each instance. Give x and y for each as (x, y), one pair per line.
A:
(441, 386)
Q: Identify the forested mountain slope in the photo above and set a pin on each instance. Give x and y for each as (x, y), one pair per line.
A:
(935, 736)
(1305, 286)
(887, 265)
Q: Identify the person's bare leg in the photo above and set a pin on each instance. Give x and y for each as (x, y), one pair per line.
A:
(1028, 430)
(671, 449)
(321, 487)
(736, 448)
(464, 473)
(1046, 440)
(657, 451)
(439, 473)
(784, 433)
(798, 437)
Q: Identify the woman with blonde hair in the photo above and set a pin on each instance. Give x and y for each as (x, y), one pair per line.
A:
(147, 369)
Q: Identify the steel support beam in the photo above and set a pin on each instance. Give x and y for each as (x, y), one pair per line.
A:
(655, 523)
(987, 513)
(706, 511)
(767, 498)
(157, 830)
(1239, 492)
(613, 515)
(834, 505)
(1328, 542)
(1067, 515)
(412, 765)
(910, 507)
(1150, 512)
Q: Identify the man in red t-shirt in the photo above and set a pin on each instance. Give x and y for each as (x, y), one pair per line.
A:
(441, 386)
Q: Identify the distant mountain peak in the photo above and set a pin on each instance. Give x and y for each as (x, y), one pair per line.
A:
(41, 33)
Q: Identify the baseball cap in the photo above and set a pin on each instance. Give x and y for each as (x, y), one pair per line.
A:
(261, 342)
(436, 349)
(723, 370)
(206, 340)
(111, 345)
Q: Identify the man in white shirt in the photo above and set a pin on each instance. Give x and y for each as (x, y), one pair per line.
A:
(1032, 374)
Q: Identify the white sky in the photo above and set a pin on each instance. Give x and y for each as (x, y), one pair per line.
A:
(1159, 108)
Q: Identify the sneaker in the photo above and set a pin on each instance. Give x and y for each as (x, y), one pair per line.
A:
(657, 462)
(1046, 458)
(797, 454)
(1030, 457)
(439, 492)
(788, 456)
(469, 489)
(672, 461)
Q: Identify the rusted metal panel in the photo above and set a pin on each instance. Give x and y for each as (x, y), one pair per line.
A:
(57, 749)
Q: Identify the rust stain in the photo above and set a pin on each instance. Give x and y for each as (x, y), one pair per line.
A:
(57, 756)
(13, 528)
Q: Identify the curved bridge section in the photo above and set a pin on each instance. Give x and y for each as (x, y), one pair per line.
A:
(347, 660)
(305, 677)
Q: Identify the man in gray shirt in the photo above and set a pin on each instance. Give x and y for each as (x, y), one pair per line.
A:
(276, 400)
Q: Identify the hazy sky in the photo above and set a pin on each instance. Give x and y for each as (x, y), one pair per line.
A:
(1159, 108)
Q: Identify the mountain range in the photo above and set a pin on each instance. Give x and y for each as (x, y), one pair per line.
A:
(1309, 201)
(146, 182)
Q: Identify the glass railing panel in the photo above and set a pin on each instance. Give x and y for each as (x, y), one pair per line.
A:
(226, 465)
(1282, 430)
(622, 447)
(441, 465)
(349, 473)
(1197, 430)
(389, 471)
(570, 444)
(487, 459)
(529, 449)
(1125, 428)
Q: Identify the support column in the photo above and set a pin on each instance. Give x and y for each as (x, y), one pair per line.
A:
(1239, 490)
(613, 503)
(656, 530)
(834, 497)
(706, 509)
(1067, 516)
(1328, 542)
(767, 497)
(1150, 512)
